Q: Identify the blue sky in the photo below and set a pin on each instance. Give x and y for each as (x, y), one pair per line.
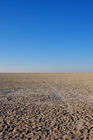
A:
(46, 36)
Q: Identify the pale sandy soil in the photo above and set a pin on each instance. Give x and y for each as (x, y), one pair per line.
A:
(46, 106)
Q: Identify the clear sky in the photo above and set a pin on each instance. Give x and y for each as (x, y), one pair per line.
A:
(46, 36)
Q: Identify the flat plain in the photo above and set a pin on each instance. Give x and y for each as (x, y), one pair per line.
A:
(46, 106)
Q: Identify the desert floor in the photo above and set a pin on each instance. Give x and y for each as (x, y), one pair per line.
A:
(46, 106)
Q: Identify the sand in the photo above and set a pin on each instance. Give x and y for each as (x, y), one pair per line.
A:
(46, 106)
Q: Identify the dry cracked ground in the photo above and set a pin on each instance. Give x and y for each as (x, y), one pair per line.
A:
(46, 106)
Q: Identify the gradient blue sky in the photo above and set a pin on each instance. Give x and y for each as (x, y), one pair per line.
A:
(46, 36)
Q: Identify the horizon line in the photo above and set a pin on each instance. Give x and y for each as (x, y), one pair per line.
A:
(39, 72)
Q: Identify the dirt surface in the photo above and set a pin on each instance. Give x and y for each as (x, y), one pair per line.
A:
(46, 106)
